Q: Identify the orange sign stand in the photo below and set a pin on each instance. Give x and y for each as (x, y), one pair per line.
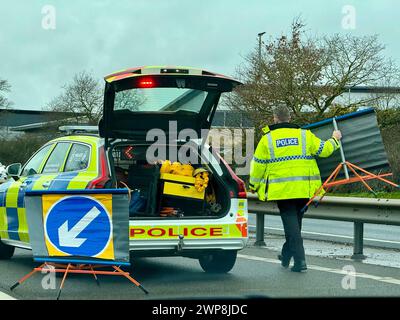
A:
(361, 176)
(81, 269)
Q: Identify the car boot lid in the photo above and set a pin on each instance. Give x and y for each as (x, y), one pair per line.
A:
(166, 97)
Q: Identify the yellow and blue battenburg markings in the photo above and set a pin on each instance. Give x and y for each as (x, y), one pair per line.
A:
(13, 222)
(321, 147)
(4, 219)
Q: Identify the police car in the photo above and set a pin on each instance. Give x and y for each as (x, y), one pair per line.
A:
(150, 115)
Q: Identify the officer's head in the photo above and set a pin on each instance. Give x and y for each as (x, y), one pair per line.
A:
(281, 114)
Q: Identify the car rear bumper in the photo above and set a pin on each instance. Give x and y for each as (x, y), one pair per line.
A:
(179, 236)
(188, 245)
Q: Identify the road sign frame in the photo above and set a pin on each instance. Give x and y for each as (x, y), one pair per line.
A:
(119, 224)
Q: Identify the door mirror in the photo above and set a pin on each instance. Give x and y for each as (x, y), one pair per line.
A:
(14, 170)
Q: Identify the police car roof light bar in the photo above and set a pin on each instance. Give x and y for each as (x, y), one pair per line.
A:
(79, 129)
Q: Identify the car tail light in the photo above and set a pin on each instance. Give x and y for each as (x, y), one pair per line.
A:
(242, 188)
(103, 178)
(242, 193)
(240, 184)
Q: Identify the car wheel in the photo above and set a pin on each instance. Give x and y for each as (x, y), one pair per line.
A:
(218, 262)
(6, 251)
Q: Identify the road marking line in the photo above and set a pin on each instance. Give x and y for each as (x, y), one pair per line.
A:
(332, 235)
(324, 269)
(4, 296)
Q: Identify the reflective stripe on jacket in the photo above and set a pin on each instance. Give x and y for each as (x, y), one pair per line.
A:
(284, 165)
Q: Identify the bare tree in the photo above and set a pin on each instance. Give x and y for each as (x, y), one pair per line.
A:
(388, 94)
(5, 104)
(355, 61)
(83, 97)
(4, 87)
(308, 74)
(128, 100)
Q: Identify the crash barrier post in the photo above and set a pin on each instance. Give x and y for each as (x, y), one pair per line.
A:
(347, 209)
(260, 230)
(358, 249)
(79, 231)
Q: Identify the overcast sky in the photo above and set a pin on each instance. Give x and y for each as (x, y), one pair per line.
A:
(103, 36)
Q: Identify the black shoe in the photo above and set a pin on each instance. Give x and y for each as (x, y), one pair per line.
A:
(285, 261)
(299, 266)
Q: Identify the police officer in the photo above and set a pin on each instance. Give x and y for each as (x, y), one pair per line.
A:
(284, 169)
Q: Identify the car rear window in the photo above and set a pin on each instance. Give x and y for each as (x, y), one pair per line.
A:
(160, 100)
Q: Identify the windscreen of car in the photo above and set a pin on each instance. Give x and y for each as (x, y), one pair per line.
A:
(160, 100)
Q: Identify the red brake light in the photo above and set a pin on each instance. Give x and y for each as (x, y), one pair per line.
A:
(242, 189)
(242, 193)
(146, 83)
(103, 178)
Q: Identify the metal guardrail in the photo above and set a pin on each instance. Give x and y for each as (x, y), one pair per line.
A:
(356, 210)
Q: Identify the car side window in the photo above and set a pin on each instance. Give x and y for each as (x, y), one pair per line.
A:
(57, 157)
(33, 165)
(78, 158)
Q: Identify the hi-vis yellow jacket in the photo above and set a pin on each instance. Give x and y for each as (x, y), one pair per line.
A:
(284, 165)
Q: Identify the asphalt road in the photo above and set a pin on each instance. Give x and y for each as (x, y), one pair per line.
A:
(374, 235)
(256, 273)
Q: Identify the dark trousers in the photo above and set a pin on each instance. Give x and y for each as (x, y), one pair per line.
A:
(292, 222)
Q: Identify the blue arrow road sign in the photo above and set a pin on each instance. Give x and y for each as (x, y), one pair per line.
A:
(78, 226)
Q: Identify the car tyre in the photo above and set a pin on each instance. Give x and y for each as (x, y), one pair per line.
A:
(219, 261)
(6, 251)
